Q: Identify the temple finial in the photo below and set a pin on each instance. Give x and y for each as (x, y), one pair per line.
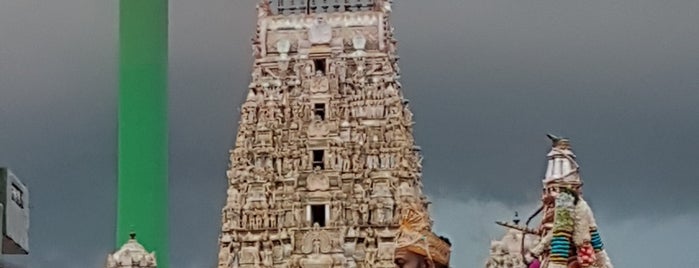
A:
(553, 138)
(131, 255)
(559, 142)
(132, 234)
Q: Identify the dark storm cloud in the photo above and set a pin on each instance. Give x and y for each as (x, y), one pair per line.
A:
(616, 76)
(628, 240)
(57, 124)
(487, 79)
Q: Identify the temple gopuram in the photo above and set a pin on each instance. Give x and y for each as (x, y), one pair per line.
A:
(324, 160)
(567, 235)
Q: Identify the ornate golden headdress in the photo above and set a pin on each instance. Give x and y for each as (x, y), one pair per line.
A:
(415, 235)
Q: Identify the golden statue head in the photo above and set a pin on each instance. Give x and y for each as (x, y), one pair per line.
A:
(416, 245)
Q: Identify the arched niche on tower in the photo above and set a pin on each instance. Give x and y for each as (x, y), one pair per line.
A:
(263, 137)
(317, 181)
(317, 208)
(386, 247)
(382, 184)
(317, 237)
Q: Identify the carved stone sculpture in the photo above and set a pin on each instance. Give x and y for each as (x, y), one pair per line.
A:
(319, 83)
(317, 181)
(320, 32)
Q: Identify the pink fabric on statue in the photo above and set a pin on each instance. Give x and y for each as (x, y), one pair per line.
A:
(535, 264)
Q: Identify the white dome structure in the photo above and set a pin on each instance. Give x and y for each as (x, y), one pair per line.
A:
(131, 255)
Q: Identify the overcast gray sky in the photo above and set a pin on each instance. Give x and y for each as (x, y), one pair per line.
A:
(486, 78)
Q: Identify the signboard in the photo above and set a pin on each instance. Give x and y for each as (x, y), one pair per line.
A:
(14, 197)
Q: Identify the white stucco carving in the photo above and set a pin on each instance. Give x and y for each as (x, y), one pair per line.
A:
(131, 255)
(324, 154)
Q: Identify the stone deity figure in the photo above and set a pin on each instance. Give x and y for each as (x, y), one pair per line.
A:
(233, 197)
(388, 207)
(342, 71)
(267, 257)
(316, 259)
(574, 240)
(287, 249)
(319, 83)
(321, 32)
(263, 9)
(408, 115)
(371, 252)
(364, 211)
(380, 214)
(258, 222)
(356, 162)
(300, 219)
(346, 161)
(337, 213)
(224, 258)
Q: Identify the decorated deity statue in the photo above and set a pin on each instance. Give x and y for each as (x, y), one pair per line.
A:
(574, 240)
(567, 236)
(569, 232)
(416, 245)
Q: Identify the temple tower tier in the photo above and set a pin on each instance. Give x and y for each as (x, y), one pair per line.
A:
(324, 159)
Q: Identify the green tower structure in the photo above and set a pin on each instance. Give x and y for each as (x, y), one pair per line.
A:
(142, 204)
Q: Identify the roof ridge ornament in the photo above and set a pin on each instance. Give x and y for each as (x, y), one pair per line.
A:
(132, 255)
(263, 8)
(559, 142)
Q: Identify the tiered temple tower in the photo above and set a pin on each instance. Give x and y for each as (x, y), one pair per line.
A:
(324, 158)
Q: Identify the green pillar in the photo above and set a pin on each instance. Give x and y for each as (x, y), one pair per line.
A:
(143, 154)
